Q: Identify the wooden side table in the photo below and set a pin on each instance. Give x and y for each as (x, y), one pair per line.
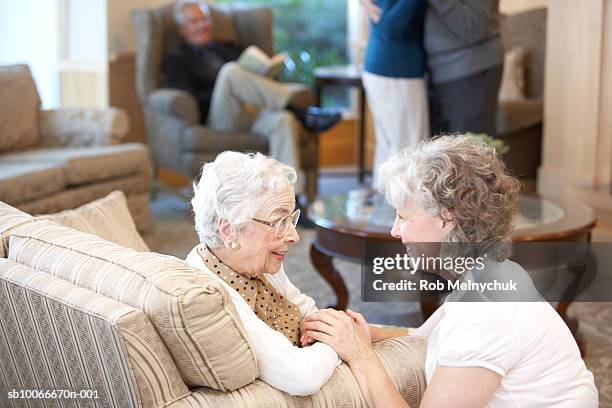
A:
(345, 76)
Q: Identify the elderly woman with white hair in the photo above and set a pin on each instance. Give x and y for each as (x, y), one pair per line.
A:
(450, 191)
(245, 216)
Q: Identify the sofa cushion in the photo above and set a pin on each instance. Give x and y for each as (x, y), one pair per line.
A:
(528, 30)
(107, 217)
(513, 116)
(76, 196)
(402, 357)
(88, 164)
(21, 182)
(10, 218)
(90, 341)
(512, 87)
(192, 313)
(20, 103)
(80, 127)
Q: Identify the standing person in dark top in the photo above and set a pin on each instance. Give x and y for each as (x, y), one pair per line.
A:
(393, 77)
(465, 60)
(206, 68)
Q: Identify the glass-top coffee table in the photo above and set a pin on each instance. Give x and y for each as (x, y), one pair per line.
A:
(344, 226)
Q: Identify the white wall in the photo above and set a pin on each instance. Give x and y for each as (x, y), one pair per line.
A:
(29, 34)
(85, 31)
(357, 26)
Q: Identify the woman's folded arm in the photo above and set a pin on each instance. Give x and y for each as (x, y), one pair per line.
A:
(294, 370)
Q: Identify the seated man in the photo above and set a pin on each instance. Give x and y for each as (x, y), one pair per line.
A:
(206, 68)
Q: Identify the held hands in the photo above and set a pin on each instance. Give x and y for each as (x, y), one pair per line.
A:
(347, 333)
(374, 12)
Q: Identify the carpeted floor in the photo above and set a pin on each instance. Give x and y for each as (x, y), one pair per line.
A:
(173, 234)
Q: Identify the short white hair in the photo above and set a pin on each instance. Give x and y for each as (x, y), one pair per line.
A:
(179, 5)
(234, 187)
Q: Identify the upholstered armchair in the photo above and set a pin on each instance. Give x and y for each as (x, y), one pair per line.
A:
(177, 139)
(519, 122)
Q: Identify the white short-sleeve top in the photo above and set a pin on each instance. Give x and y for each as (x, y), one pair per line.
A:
(528, 344)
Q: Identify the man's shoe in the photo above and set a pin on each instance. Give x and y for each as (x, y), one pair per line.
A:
(317, 119)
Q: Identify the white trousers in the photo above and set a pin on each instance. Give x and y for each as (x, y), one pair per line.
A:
(401, 114)
(235, 89)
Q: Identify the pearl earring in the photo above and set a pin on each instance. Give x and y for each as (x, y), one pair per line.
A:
(233, 244)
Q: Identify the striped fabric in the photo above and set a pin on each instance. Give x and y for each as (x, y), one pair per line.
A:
(191, 312)
(403, 358)
(10, 218)
(54, 335)
(107, 217)
(53, 332)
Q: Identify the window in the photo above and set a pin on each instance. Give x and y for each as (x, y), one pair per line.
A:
(313, 33)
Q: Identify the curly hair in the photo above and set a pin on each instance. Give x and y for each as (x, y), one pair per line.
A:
(467, 178)
(234, 186)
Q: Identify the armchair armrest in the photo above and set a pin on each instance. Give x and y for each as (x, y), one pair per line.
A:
(82, 127)
(302, 95)
(175, 102)
(513, 116)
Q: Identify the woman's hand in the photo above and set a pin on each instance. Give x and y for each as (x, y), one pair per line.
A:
(358, 318)
(374, 12)
(376, 333)
(347, 333)
(306, 340)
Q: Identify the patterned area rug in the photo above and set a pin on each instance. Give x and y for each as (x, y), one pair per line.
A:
(173, 234)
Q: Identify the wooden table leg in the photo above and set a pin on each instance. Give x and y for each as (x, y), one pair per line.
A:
(428, 308)
(324, 265)
(362, 118)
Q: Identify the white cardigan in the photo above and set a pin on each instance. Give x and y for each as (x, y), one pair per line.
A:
(294, 370)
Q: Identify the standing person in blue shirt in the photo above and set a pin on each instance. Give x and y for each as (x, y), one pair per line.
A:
(464, 57)
(393, 77)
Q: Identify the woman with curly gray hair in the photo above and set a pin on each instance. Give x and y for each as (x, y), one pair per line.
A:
(456, 190)
(245, 216)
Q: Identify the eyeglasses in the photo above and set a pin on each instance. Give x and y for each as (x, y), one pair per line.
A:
(282, 225)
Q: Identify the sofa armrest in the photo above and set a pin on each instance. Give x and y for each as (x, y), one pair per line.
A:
(513, 116)
(403, 358)
(113, 348)
(175, 102)
(82, 127)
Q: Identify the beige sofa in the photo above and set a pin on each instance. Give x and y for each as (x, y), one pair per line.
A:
(52, 160)
(141, 329)
(519, 123)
